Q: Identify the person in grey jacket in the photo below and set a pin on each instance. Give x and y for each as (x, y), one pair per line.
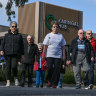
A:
(12, 49)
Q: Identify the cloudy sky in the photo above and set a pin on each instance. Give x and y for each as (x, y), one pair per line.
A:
(87, 6)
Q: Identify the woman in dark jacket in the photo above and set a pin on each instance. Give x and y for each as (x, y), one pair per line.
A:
(12, 48)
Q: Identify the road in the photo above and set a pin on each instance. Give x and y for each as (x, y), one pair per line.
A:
(32, 91)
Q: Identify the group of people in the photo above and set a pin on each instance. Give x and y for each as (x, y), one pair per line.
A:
(51, 55)
(82, 52)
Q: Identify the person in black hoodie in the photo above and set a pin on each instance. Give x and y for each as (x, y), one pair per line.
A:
(30, 51)
(12, 49)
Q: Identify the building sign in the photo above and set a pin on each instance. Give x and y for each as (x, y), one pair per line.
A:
(62, 22)
(48, 20)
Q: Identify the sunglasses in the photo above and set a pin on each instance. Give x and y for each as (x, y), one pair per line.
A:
(81, 33)
(55, 26)
(14, 26)
(89, 33)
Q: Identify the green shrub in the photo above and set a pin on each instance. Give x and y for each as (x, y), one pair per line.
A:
(68, 77)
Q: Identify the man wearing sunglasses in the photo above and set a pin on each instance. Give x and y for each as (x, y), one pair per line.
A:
(81, 54)
(92, 40)
(12, 48)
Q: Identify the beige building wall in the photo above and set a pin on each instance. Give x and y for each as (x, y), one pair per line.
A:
(26, 19)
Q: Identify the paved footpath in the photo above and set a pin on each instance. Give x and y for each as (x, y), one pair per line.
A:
(33, 91)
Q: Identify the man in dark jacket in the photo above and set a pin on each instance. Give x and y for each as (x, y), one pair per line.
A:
(81, 53)
(12, 48)
(92, 40)
(30, 50)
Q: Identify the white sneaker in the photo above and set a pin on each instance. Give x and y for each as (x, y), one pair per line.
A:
(16, 82)
(8, 84)
(89, 87)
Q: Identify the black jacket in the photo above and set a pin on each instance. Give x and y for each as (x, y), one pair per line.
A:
(29, 58)
(12, 44)
(73, 50)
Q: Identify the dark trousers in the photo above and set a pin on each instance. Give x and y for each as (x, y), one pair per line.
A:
(23, 73)
(91, 72)
(53, 70)
(11, 63)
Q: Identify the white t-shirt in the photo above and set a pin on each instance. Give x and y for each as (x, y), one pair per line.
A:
(55, 43)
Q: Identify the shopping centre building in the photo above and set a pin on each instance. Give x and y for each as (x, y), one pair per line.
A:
(35, 18)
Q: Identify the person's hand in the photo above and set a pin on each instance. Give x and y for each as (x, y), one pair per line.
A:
(2, 53)
(63, 66)
(19, 63)
(68, 62)
(92, 59)
(44, 65)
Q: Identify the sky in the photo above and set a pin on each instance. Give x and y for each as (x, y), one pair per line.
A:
(87, 6)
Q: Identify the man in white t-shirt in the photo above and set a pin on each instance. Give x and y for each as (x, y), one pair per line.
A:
(54, 48)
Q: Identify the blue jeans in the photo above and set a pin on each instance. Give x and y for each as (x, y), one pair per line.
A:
(40, 74)
(91, 73)
(60, 80)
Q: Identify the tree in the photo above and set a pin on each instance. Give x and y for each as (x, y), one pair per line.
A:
(0, 5)
(9, 4)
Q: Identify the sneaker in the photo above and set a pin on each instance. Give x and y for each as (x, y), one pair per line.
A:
(16, 82)
(48, 84)
(89, 87)
(54, 86)
(41, 86)
(37, 86)
(21, 84)
(60, 86)
(30, 85)
(8, 84)
(78, 87)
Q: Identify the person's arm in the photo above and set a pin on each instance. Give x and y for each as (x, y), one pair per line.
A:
(37, 54)
(21, 45)
(63, 53)
(21, 49)
(69, 55)
(44, 51)
(2, 46)
(46, 44)
(92, 53)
